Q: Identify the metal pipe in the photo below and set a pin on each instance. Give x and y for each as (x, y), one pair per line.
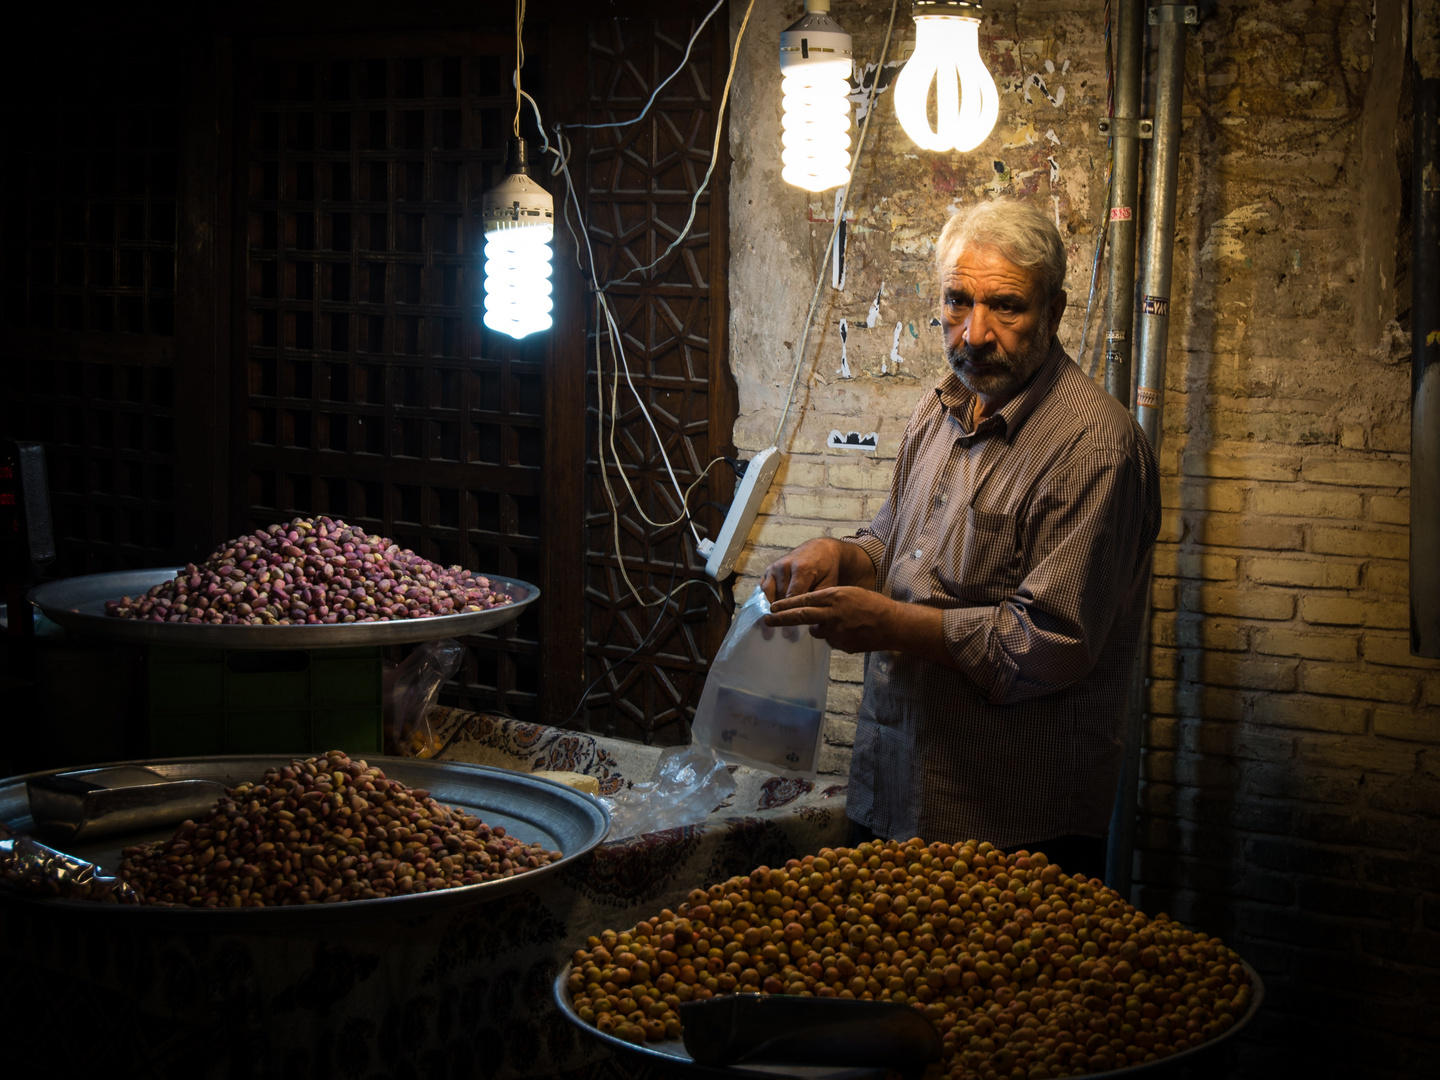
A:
(1125, 130)
(1425, 335)
(1157, 246)
(1158, 242)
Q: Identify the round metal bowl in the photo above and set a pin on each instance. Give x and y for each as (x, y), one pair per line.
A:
(672, 1052)
(79, 604)
(530, 808)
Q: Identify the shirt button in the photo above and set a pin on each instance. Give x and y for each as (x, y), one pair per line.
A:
(941, 499)
(918, 553)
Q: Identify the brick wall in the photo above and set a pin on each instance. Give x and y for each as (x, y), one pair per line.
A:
(1290, 794)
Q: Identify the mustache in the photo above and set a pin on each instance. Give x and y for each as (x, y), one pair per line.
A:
(966, 355)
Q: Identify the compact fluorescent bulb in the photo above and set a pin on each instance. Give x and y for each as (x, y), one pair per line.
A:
(815, 60)
(947, 57)
(519, 217)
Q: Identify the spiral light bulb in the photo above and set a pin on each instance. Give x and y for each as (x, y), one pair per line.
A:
(815, 60)
(519, 217)
(947, 57)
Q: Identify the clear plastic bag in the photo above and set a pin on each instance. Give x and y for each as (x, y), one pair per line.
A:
(409, 691)
(764, 700)
(687, 786)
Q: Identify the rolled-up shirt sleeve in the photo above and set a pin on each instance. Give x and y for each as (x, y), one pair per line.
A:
(1080, 534)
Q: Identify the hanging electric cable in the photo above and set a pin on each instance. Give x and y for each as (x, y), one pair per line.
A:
(835, 230)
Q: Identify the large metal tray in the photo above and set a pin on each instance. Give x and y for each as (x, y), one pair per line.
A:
(530, 808)
(79, 604)
(672, 1052)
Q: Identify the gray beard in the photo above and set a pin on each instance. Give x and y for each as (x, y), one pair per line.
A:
(1003, 375)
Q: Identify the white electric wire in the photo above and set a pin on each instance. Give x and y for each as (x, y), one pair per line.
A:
(679, 68)
(835, 231)
(561, 152)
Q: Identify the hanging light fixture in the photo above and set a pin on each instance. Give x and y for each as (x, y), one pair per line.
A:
(519, 221)
(816, 61)
(947, 57)
(519, 217)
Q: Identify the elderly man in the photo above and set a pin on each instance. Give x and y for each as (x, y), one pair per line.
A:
(999, 592)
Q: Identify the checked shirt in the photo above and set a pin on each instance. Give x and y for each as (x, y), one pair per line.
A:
(1034, 533)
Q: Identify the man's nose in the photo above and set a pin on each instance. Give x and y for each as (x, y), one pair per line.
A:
(978, 331)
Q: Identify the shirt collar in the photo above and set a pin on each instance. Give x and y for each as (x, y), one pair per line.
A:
(959, 401)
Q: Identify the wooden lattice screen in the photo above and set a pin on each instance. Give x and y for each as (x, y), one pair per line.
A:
(87, 301)
(372, 392)
(641, 180)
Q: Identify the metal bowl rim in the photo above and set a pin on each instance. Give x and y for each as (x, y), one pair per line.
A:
(587, 805)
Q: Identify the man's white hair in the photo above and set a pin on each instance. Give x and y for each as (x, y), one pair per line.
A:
(1021, 233)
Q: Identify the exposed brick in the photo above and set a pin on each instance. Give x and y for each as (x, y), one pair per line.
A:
(800, 470)
(1235, 530)
(834, 760)
(1388, 578)
(1160, 697)
(1390, 509)
(1372, 542)
(1343, 611)
(1162, 595)
(1267, 888)
(1314, 714)
(1356, 902)
(1158, 798)
(1241, 466)
(847, 667)
(1222, 670)
(1170, 562)
(1299, 428)
(1257, 603)
(1352, 436)
(1372, 755)
(857, 475)
(1405, 948)
(1415, 796)
(1394, 650)
(1414, 872)
(839, 731)
(1211, 703)
(1358, 974)
(1291, 857)
(1161, 733)
(1299, 502)
(828, 507)
(1221, 496)
(1392, 437)
(843, 699)
(1264, 744)
(1370, 829)
(1190, 633)
(1370, 684)
(1284, 641)
(1380, 472)
(1409, 725)
(1339, 787)
(775, 533)
(1310, 573)
(1205, 771)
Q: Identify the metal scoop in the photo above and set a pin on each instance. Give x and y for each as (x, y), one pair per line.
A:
(87, 803)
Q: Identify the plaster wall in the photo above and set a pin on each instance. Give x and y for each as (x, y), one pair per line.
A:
(1291, 779)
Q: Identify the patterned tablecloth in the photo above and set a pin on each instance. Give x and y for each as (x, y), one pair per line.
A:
(460, 993)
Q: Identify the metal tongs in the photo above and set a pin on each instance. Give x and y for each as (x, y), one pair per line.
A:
(88, 803)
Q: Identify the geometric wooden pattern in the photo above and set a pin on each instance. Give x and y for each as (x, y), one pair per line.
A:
(87, 302)
(640, 182)
(371, 391)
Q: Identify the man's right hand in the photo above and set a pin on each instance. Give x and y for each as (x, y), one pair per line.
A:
(816, 564)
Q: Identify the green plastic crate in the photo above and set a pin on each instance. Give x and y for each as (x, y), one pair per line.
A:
(249, 701)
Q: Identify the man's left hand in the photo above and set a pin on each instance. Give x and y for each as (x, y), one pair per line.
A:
(851, 619)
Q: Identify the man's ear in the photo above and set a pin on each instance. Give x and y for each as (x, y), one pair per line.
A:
(1057, 309)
